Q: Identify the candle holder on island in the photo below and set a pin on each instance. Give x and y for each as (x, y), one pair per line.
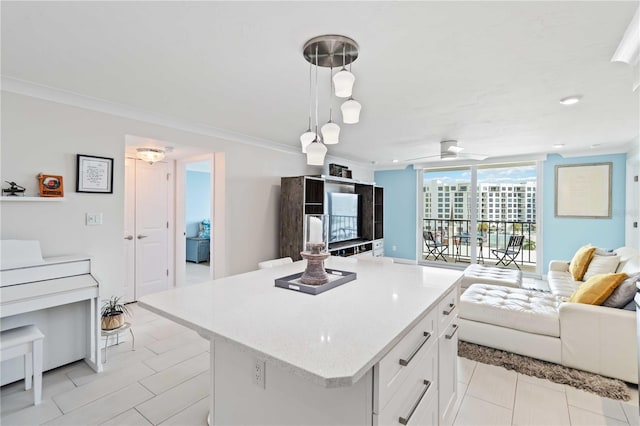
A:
(315, 274)
(316, 236)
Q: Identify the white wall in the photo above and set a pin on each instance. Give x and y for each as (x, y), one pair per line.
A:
(632, 235)
(43, 136)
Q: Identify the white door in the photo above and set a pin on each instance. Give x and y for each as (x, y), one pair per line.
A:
(152, 270)
(129, 229)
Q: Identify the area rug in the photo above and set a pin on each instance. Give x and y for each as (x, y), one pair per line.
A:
(594, 383)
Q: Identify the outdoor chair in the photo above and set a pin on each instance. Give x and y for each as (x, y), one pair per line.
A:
(434, 248)
(507, 255)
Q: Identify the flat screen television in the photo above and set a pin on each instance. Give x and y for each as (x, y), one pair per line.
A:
(343, 216)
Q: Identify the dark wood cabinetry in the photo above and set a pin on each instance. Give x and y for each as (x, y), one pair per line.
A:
(377, 213)
(300, 195)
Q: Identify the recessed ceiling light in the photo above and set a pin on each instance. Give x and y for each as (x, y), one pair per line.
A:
(557, 145)
(571, 100)
(395, 161)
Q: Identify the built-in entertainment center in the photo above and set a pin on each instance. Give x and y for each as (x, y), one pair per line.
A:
(354, 210)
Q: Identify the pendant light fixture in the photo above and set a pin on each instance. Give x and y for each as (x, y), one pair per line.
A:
(315, 153)
(330, 131)
(329, 51)
(343, 80)
(307, 137)
(350, 111)
(316, 149)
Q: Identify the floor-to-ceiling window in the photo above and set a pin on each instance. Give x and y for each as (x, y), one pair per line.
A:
(484, 214)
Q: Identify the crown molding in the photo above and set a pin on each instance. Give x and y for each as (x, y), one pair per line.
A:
(34, 90)
(65, 97)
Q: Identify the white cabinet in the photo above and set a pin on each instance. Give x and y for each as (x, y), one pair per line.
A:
(330, 359)
(413, 384)
(405, 358)
(416, 382)
(416, 394)
(448, 356)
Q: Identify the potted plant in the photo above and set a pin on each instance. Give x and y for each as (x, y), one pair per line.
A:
(113, 313)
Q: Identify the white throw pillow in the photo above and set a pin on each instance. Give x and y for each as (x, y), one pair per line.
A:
(601, 265)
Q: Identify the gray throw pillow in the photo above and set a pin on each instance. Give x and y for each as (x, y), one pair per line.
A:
(624, 293)
(631, 306)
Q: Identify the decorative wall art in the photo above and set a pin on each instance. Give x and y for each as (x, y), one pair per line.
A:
(50, 185)
(95, 174)
(583, 190)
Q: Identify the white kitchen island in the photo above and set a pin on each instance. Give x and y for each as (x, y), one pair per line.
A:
(378, 350)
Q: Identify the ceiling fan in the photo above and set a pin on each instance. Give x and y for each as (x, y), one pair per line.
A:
(449, 150)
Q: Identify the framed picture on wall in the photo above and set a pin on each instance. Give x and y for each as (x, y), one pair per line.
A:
(95, 174)
(583, 190)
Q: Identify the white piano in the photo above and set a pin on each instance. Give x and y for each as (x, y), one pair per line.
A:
(58, 295)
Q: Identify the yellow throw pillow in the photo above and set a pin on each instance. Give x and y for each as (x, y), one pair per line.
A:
(580, 262)
(597, 289)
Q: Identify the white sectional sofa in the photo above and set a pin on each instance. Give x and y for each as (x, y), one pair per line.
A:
(546, 326)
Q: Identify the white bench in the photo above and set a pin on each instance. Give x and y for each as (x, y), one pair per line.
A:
(480, 274)
(25, 341)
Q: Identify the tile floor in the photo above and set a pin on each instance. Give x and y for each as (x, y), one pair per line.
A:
(165, 381)
(196, 272)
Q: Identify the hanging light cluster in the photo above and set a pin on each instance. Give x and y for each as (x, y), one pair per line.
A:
(329, 51)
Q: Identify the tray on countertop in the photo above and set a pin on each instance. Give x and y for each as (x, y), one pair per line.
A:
(336, 278)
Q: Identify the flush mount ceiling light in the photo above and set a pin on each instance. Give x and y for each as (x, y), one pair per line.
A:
(329, 51)
(628, 50)
(571, 100)
(557, 145)
(150, 155)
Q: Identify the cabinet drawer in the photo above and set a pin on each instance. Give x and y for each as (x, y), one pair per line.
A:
(448, 371)
(395, 367)
(447, 310)
(417, 396)
(378, 244)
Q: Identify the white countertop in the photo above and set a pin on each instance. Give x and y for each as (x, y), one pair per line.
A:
(332, 338)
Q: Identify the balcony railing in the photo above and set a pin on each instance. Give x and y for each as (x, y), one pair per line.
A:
(455, 234)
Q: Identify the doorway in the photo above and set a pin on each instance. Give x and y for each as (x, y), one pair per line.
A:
(197, 221)
(200, 218)
(472, 213)
(176, 160)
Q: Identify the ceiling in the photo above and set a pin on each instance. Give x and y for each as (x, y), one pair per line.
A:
(489, 74)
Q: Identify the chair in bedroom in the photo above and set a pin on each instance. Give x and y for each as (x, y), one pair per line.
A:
(434, 248)
(507, 255)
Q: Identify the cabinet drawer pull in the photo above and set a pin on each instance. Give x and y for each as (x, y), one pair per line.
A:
(403, 420)
(452, 306)
(450, 336)
(405, 362)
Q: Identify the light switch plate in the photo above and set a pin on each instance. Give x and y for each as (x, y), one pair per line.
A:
(93, 219)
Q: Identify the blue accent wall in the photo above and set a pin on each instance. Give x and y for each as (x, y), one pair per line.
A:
(563, 236)
(400, 219)
(197, 200)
